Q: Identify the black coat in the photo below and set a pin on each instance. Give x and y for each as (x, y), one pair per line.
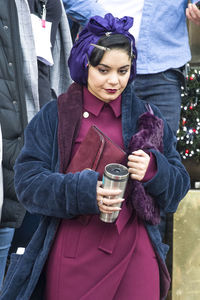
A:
(13, 116)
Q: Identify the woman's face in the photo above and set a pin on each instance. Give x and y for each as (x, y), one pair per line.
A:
(108, 80)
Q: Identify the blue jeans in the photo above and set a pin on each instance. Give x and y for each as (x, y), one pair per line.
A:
(164, 90)
(6, 236)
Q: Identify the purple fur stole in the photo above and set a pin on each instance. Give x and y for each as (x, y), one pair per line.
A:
(149, 136)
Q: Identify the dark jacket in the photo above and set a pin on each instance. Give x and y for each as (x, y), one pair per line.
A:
(13, 117)
(19, 93)
(42, 189)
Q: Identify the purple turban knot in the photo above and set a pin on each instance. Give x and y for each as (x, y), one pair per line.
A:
(91, 33)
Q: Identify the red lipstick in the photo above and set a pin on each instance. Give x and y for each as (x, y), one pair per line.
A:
(111, 91)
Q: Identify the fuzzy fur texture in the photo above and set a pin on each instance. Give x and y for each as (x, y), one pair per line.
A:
(149, 136)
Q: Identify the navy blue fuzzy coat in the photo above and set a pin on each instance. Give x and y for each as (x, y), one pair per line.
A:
(42, 189)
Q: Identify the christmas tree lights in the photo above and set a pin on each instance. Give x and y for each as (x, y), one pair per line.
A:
(188, 135)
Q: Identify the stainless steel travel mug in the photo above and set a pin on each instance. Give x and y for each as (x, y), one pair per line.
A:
(115, 177)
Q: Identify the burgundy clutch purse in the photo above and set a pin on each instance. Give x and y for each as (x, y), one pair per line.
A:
(95, 152)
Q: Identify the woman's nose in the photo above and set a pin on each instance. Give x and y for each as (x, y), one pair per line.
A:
(113, 78)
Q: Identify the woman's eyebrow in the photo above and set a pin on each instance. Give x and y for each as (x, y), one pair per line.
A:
(124, 66)
(106, 66)
(103, 65)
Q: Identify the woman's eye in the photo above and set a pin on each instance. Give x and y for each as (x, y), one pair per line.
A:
(104, 71)
(124, 71)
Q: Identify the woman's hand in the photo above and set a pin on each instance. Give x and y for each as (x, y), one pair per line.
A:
(105, 199)
(138, 163)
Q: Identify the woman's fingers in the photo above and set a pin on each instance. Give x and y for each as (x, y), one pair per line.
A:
(109, 205)
(108, 209)
(110, 201)
(138, 163)
(106, 199)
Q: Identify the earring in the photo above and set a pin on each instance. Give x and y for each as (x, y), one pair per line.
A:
(87, 61)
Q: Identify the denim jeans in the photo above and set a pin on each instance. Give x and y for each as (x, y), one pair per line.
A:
(6, 236)
(163, 90)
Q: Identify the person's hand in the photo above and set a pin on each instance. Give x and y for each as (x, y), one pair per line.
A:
(138, 163)
(105, 199)
(193, 13)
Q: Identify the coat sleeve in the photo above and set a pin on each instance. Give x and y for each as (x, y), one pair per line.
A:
(171, 182)
(81, 11)
(42, 189)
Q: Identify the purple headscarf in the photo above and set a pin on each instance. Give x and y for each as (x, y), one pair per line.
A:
(92, 32)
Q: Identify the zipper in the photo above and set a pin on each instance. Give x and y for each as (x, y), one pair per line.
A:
(43, 12)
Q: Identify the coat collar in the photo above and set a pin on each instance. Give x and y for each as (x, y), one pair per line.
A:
(94, 105)
(69, 117)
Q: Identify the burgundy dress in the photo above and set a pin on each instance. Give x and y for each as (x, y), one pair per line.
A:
(93, 260)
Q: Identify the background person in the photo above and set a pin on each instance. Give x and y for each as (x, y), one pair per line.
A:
(79, 13)
(1, 173)
(21, 98)
(160, 29)
(6, 233)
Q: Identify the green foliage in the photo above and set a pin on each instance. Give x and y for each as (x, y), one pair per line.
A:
(189, 130)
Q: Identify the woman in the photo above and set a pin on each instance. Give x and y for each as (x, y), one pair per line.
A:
(80, 256)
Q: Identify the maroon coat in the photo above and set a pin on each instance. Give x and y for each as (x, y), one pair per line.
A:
(91, 259)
